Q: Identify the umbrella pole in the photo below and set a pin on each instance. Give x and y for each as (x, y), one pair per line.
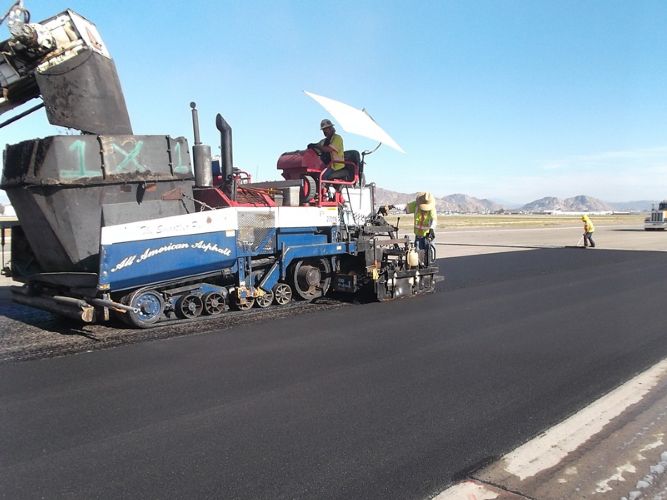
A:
(367, 152)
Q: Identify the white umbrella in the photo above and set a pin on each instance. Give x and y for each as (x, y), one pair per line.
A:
(355, 121)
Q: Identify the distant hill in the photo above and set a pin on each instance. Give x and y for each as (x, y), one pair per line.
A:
(462, 203)
(387, 197)
(580, 203)
(453, 203)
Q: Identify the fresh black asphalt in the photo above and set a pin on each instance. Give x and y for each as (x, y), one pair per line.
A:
(382, 400)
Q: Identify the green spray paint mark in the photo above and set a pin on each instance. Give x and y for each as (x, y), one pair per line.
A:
(79, 148)
(130, 158)
(179, 166)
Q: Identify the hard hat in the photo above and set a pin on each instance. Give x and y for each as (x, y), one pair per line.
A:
(325, 124)
(426, 201)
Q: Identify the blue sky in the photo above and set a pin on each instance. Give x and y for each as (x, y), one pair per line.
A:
(508, 100)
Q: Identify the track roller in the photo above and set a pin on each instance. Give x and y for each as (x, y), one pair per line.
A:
(264, 300)
(189, 306)
(282, 293)
(214, 303)
(242, 304)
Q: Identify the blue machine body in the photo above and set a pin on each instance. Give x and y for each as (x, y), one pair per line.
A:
(133, 264)
(172, 248)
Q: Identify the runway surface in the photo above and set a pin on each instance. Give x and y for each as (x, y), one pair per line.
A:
(391, 400)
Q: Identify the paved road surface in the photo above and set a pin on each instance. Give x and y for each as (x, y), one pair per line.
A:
(397, 403)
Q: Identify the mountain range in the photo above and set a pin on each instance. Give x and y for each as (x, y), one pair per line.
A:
(461, 203)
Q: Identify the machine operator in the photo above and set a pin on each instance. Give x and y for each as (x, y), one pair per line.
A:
(332, 152)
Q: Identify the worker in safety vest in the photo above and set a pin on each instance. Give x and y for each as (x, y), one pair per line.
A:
(589, 228)
(332, 152)
(426, 218)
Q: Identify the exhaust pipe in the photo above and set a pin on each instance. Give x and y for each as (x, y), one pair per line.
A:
(226, 161)
(201, 154)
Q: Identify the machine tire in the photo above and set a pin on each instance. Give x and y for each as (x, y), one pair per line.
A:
(310, 278)
(150, 304)
(308, 189)
(282, 294)
(264, 300)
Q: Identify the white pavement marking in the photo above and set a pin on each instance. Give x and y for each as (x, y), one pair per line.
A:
(468, 490)
(550, 448)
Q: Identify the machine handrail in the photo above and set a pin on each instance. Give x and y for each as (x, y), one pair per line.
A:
(337, 182)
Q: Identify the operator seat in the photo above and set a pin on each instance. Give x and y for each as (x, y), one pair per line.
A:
(353, 156)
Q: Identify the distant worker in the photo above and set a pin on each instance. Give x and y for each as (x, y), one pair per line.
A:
(589, 228)
(332, 152)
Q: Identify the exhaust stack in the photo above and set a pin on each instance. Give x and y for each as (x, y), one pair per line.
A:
(201, 154)
(226, 161)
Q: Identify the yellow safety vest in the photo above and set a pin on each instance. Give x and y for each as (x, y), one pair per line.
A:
(337, 158)
(588, 226)
(424, 221)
